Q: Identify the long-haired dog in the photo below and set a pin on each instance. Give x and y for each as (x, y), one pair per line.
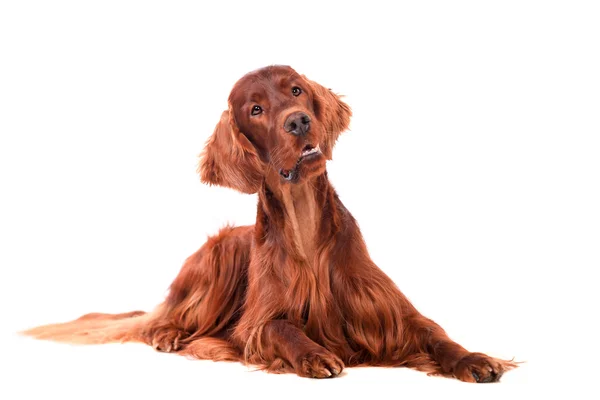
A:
(297, 292)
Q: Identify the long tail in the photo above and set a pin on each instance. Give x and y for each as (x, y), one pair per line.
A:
(94, 328)
(99, 328)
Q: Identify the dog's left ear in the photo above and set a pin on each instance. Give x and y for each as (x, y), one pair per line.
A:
(333, 113)
(229, 159)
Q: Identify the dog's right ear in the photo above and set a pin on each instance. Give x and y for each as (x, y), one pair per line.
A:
(229, 159)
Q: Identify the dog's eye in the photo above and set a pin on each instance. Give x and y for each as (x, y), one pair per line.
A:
(256, 110)
(296, 91)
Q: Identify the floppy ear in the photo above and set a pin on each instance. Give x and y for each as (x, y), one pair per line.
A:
(333, 113)
(229, 159)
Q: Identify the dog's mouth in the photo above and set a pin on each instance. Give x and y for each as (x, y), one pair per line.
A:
(309, 152)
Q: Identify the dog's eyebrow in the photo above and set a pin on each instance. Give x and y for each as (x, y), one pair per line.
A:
(285, 80)
(251, 91)
(255, 95)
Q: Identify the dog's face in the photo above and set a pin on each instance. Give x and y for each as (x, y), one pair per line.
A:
(277, 119)
(275, 110)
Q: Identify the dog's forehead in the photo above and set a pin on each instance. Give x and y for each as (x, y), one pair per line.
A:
(264, 84)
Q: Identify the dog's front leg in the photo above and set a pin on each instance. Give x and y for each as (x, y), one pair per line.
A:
(280, 339)
(454, 360)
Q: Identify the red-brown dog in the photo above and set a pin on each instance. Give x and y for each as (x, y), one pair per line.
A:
(296, 292)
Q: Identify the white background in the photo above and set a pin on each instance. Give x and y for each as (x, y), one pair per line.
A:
(472, 166)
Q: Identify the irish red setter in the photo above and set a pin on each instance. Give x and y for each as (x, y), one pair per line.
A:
(296, 292)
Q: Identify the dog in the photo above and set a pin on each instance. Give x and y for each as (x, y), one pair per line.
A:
(296, 292)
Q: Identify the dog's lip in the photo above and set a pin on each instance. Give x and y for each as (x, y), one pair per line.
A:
(309, 150)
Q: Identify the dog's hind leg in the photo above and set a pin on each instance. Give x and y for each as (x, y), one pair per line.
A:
(207, 295)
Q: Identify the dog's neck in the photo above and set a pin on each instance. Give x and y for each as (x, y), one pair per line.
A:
(294, 212)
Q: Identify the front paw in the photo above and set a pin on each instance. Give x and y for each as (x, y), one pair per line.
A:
(319, 363)
(480, 368)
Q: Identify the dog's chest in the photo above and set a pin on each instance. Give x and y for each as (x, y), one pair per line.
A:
(302, 220)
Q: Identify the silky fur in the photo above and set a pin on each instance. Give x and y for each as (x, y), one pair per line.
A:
(297, 292)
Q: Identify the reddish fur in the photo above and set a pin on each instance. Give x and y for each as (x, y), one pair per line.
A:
(297, 292)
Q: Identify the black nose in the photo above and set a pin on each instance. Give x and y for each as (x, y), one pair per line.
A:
(297, 124)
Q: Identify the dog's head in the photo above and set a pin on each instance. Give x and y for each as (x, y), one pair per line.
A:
(279, 120)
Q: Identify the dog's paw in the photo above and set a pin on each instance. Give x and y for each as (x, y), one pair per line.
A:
(167, 339)
(320, 363)
(480, 368)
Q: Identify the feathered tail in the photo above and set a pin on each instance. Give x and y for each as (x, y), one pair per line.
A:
(94, 328)
(99, 328)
